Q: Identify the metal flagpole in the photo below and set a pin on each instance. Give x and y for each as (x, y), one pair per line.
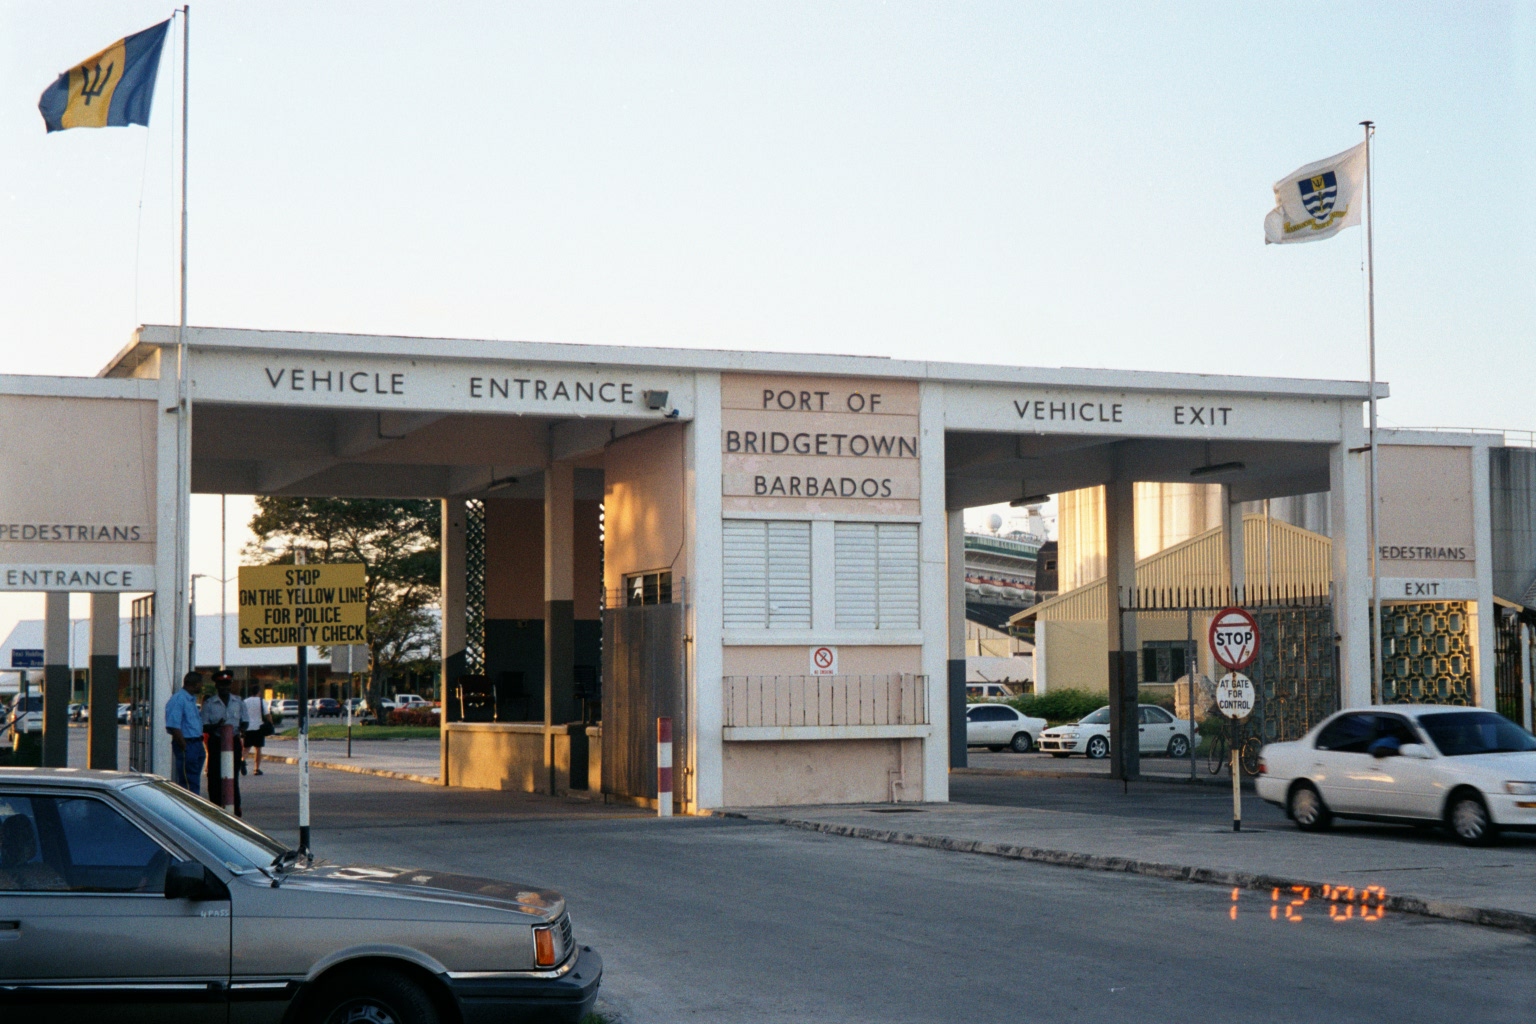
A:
(1370, 291)
(183, 399)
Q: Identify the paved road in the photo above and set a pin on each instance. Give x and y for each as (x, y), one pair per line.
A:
(1180, 802)
(721, 920)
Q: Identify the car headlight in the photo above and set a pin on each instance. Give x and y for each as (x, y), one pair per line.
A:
(1521, 788)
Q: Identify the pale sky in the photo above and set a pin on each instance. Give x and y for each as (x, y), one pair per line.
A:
(1038, 184)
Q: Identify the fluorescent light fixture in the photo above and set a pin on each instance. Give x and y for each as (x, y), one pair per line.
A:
(1032, 499)
(1220, 467)
(496, 485)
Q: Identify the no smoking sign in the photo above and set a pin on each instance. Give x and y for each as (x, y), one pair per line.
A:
(823, 661)
(1234, 638)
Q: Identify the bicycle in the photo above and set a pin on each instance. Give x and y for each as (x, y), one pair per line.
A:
(1220, 754)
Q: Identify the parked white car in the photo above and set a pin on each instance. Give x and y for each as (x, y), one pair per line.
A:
(28, 716)
(409, 700)
(1470, 770)
(996, 726)
(1161, 733)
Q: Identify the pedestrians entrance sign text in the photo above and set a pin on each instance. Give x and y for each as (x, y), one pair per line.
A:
(1234, 695)
(299, 605)
(1234, 638)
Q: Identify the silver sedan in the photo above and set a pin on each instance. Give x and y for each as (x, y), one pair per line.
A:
(123, 897)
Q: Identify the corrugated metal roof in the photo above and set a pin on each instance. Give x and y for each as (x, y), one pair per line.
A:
(1302, 559)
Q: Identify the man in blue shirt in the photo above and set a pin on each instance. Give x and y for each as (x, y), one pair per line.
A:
(184, 721)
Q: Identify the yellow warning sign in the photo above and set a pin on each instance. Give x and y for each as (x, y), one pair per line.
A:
(290, 605)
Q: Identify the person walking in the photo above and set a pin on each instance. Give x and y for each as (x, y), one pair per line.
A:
(184, 722)
(260, 724)
(222, 709)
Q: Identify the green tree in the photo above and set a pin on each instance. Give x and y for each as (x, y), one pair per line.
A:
(398, 540)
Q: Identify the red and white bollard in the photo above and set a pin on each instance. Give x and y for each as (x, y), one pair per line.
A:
(664, 767)
(227, 767)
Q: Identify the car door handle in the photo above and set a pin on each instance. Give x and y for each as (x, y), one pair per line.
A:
(10, 930)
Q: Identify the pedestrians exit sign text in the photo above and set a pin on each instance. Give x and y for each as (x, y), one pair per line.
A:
(294, 605)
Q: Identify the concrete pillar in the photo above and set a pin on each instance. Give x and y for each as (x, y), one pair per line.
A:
(934, 570)
(102, 746)
(57, 681)
(1487, 616)
(1347, 521)
(1120, 580)
(1234, 546)
(173, 505)
(707, 597)
(560, 704)
(454, 591)
(958, 755)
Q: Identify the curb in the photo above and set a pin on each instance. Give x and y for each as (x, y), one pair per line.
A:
(1225, 782)
(1510, 920)
(430, 780)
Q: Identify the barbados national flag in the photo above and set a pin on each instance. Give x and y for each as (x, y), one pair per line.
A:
(116, 87)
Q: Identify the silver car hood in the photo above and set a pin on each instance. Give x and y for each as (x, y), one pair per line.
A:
(425, 885)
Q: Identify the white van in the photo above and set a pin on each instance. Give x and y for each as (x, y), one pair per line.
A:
(988, 691)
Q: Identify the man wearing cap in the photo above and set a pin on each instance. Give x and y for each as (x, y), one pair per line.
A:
(184, 722)
(222, 709)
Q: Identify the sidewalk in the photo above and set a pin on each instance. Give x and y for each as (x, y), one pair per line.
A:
(411, 760)
(1419, 873)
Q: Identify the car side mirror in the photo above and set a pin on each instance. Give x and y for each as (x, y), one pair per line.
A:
(191, 880)
(1418, 750)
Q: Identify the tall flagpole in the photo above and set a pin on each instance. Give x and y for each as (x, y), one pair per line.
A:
(1370, 291)
(183, 396)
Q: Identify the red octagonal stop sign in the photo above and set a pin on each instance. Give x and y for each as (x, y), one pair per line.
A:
(1234, 638)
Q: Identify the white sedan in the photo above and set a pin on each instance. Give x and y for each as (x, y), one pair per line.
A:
(1470, 770)
(996, 726)
(1160, 732)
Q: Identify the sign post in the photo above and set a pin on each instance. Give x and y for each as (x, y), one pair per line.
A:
(1234, 641)
(300, 605)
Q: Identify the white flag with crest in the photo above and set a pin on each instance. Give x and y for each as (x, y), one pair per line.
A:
(1319, 200)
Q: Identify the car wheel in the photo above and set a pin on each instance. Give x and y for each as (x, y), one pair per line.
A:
(1469, 820)
(1098, 748)
(1178, 746)
(1307, 809)
(1054, 754)
(374, 996)
(1022, 744)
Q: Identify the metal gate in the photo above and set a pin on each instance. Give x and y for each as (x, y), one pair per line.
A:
(643, 679)
(1296, 675)
(141, 684)
(1508, 682)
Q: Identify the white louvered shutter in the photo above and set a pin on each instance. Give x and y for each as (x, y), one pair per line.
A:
(746, 574)
(877, 575)
(789, 575)
(898, 565)
(857, 575)
(767, 574)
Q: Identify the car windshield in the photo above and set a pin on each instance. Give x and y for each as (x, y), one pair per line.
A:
(1099, 717)
(1458, 733)
(237, 844)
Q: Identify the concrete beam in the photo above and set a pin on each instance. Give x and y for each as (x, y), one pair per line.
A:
(358, 433)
